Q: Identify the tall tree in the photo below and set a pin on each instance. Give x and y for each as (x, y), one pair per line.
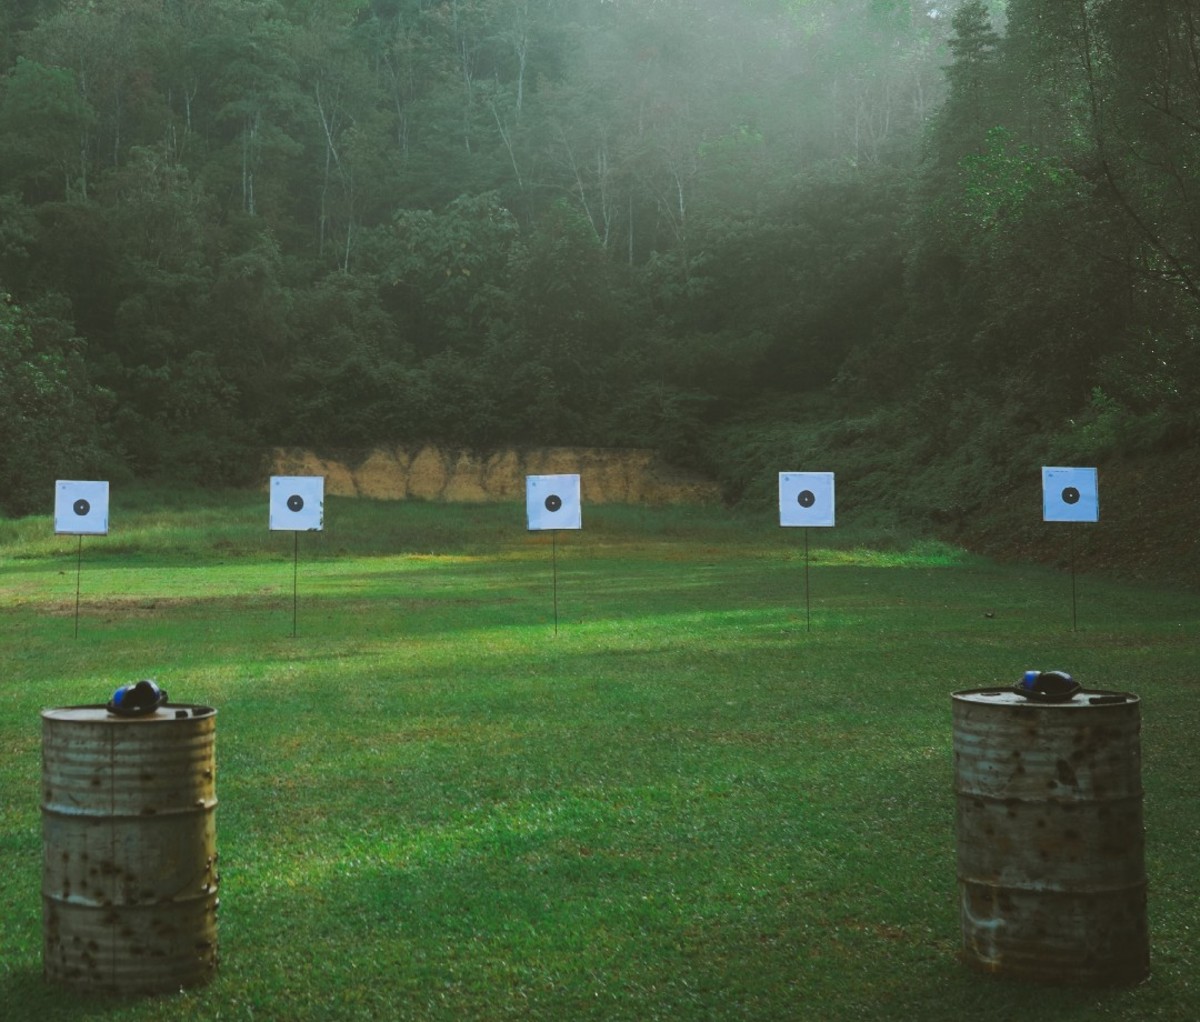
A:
(48, 408)
(972, 101)
(44, 129)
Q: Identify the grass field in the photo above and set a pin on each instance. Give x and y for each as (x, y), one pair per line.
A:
(684, 805)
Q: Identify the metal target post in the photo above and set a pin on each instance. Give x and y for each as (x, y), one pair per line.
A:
(297, 504)
(552, 502)
(806, 499)
(1074, 599)
(1070, 494)
(554, 573)
(78, 576)
(295, 579)
(80, 509)
(807, 589)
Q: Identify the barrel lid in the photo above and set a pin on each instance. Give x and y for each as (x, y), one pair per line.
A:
(1083, 699)
(98, 714)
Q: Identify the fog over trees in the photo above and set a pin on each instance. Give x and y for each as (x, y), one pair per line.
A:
(925, 238)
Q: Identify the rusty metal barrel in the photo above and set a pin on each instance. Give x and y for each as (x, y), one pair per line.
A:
(129, 878)
(1051, 861)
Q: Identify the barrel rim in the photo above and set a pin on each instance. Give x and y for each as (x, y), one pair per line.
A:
(1080, 701)
(164, 715)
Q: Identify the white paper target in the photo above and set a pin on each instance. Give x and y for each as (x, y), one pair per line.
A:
(1070, 495)
(80, 508)
(297, 503)
(552, 502)
(806, 498)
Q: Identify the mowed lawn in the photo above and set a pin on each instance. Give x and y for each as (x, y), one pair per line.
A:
(686, 804)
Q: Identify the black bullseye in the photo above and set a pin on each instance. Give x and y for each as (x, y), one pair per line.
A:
(553, 502)
(806, 498)
(81, 507)
(295, 502)
(1070, 495)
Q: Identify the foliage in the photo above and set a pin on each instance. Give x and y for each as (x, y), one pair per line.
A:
(42, 117)
(48, 409)
(666, 224)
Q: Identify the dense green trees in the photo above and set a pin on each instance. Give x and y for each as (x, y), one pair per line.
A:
(703, 225)
(48, 409)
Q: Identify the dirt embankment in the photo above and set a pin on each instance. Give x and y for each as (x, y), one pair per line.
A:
(607, 475)
(1149, 524)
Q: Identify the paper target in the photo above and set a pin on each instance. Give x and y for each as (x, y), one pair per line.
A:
(806, 498)
(1070, 495)
(297, 503)
(552, 502)
(80, 508)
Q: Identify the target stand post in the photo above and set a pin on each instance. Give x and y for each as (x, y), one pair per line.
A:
(1074, 595)
(552, 503)
(554, 574)
(807, 588)
(297, 504)
(80, 509)
(806, 499)
(295, 580)
(1070, 495)
(78, 577)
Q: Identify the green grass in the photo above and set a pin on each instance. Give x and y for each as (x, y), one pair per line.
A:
(683, 806)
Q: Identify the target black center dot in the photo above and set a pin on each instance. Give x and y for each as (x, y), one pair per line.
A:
(1070, 495)
(295, 502)
(81, 507)
(806, 498)
(553, 502)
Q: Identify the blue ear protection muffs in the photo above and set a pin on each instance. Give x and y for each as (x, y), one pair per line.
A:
(1049, 687)
(137, 700)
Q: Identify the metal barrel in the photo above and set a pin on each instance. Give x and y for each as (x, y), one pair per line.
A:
(1051, 859)
(129, 877)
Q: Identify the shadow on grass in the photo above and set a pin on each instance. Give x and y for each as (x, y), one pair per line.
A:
(596, 907)
(27, 997)
(640, 855)
(491, 594)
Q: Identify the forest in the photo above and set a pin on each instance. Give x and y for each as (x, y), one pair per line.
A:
(928, 243)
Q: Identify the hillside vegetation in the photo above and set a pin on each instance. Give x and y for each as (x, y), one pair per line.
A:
(930, 246)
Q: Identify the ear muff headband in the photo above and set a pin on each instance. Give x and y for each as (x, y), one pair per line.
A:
(1049, 687)
(137, 700)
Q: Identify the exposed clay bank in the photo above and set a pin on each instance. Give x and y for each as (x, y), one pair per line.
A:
(607, 475)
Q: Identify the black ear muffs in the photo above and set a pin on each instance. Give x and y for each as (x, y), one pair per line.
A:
(1049, 687)
(137, 700)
